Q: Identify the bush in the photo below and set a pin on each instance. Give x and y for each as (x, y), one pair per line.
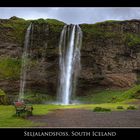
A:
(120, 107)
(131, 107)
(100, 109)
(3, 98)
(2, 93)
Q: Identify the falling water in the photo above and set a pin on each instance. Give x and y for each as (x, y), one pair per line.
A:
(24, 64)
(69, 61)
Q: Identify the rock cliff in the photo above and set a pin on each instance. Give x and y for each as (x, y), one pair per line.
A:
(110, 55)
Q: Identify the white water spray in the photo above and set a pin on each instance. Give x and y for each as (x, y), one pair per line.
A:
(69, 61)
(24, 64)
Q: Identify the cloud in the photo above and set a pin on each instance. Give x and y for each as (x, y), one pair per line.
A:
(73, 15)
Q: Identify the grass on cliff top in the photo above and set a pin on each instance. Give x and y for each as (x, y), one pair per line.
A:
(100, 31)
(109, 30)
(16, 28)
(10, 68)
(49, 21)
(8, 119)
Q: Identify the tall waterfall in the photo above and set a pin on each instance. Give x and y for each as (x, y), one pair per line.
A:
(69, 61)
(24, 64)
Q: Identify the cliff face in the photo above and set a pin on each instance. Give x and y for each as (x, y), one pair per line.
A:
(110, 55)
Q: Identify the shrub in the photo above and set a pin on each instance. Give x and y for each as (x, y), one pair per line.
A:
(2, 92)
(100, 109)
(3, 98)
(131, 107)
(120, 107)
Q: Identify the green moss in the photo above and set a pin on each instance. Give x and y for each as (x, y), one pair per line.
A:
(132, 39)
(10, 68)
(2, 93)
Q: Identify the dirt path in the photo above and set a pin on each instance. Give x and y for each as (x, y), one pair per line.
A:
(87, 118)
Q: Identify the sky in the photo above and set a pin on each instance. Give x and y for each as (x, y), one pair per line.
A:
(72, 14)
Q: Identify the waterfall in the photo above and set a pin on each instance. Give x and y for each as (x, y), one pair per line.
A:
(69, 62)
(24, 64)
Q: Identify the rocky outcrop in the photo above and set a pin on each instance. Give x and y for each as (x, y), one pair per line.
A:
(110, 55)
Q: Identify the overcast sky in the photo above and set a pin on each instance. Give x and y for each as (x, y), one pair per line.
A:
(73, 15)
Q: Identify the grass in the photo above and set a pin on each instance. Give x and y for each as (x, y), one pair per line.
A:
(37, 98)
(106, 96)
(111, 96)
(105, 100)
(109, 30)
(7, 118)
(55, 22)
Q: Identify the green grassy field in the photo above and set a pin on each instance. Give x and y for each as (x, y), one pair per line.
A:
(108, 99)
(8, 118)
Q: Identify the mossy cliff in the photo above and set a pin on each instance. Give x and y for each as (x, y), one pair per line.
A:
(110, 55)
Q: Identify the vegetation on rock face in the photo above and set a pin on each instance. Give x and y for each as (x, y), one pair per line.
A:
(55, 25)
(132, 39)
(110, 30)
(15, 29)
(10, 68)
(2, 93)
